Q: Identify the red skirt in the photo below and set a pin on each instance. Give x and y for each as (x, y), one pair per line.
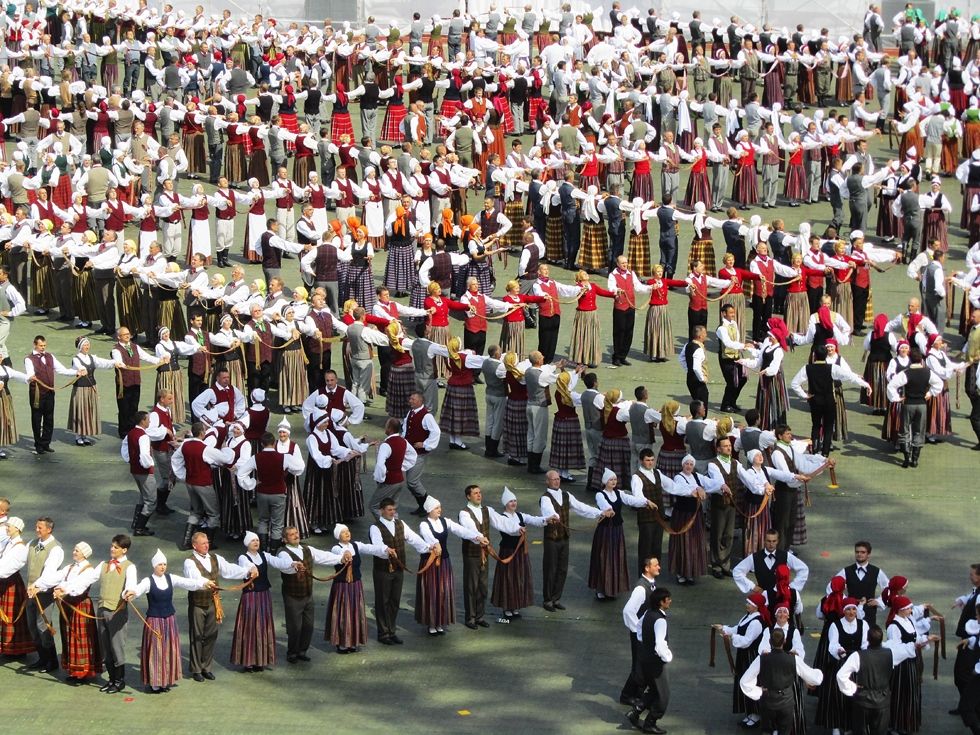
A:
(536, 107)
(698, 190)
(290, 123)
(391, 130)
(80, 655)
(796, 183)
(61, 193)
(448, 110)
(15, 637)
(745, 189)
(341, 125)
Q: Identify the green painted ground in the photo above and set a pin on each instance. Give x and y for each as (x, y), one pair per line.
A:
(548, 672)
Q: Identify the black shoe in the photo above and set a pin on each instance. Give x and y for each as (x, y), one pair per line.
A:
(108, 685)
(483, 623)
(652, 727)
(396, 640)
(303, 657)
(386, 641)
(50, 667)
(471, 625)
(717, 574)
(633, 716)
(197, 677)
(207, 675)
(955, 712)
(514, 462)
(48, 450)
(292, 658)
(550, 607)
(625, 363)
(36, 665)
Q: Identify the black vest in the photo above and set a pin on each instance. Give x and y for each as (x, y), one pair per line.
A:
(917, 385)
(764, 576)
(271, 257)
(820, 383)
(874, 679)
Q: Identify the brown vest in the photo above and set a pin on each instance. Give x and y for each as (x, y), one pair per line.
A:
(558, 532)
(483, 526)
(299, 586)
(204, 599)
(651, 491)
(396, 542)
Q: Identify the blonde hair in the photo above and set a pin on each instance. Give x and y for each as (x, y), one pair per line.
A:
(350, 305)
(434, 289)
(667, 412)
(609, 401)
(510, 362)
(393, 331)
(304, 295)
(581, 276)
(513, 286)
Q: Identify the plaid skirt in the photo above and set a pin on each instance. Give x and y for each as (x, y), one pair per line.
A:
(447, 112)
(293, 387)
(745, 189)
(360, 287)
(160, 652)
(594, 252)
(346, 617)
(400, 266)
(295, 510)
(698, 190)
(771, 401)
(515, 429)
(514, 211)
(608, 574)
(554, 237)
(614, 454)
(938, 417)
(796, 185)
(8, 421)
(391, 129)
(83, 412)
(874, 374)
(535, 107)
(688, 553)
(194, 149)
(585, 347)
(512, 337)
(459, 414)
(254, 641)
(703, 250)
(483, 273)
(435, 594)
(566, 452)
(15, 639)
(350, 495)
(401, 384)
(236, 514)
(658, 339)
(513, 584)
(797, 312)
(42, 294)
(236, 163)
(638, 253)
(340, 124)
(173, 381)
(320, 496)
(80, 655)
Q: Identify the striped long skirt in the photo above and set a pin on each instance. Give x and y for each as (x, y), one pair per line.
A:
(842, 299)
(799, 525)
(83, 411)
(236, 515)
(320, 496)
(608, 574)
(906, 686)
(585, 346)
(614, 454)
(755, 528)
(42, 294)
(771, 401)
(440, 335)
(128, 304)
(293, 386)
(698, 190)
(80, 655)
(435, 594)
(513, 584)
(459, 415)
(15, 637)
(8, 420)
(891, 429)
(745, 188)
(160, 653)
(512, 337)
(687, 552)
(515, 429)
(658, 338)
(594, 252)
(797, 312)
(566, 451)
(173, 381)
(938, 416)
(401, 384)
(400, 266)
(346, 617)
(874, 374)
(295, 510)
(254, 640)
(350, 494)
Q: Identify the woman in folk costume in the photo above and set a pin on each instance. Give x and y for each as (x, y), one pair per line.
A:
(452, 102)
(304, 145)
(253, 643)
(80, 655)
(638, 247)
(688, 547)
(698, 192)
(42, 293)
(608, 574)
(771, 399)
(745, 188)
(891, 428)
(459, 416)
(593, 253)
(844, 637)
(835, 358)
(907, 127)
(327, 470)
(15, 635)
(642, 187)
(566, 452)
(797, 300)
(346, 625)
(316, 195)
(347, 470)
(340, 121)
(238, 150)
(702, 248)
(614, 445)
(160, 662)
(288, 333)
(83, 408)
(295, 510)
(936, 208)
(515, 411)
(512, 324)
(758, 481)
(402, 234)
(192, 138)
(796, 189)
(878, 348)
(391, 130)
(840, 285)
(166, 288)
(734, 292)
(658, 338)
(907, 644)
(481, 251)
(128, 297)
(745, 637)
(374, 218)
(169, 375)
(435, 594)
(8, 421)
(423, 253)
(554, 237)
(255, 223)
(513, 583)
(401, 374)
(938, 414)
(229, 349)
(199, 233)
(236, 514)
(585, 345)
(360, 277)
(437, 323)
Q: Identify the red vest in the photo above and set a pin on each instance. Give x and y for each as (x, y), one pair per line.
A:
(258, 420)
(816, 280)
(198, 471)
(624, 281)
(286, 200)
(393, 465)
(414, 431)
(133, 444)
(550, 307)
(226, 396)
(229, 211)
(44, 370)
(477, 321)
(117, 218)
(166, 420)
(698, 293)
(270, 479)
(129, 377)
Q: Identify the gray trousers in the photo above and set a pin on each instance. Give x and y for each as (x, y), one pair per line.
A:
(555, 569)
(105, 295)
(332, 293)
(272, 514)
(63, 284)
(148, 493)
(430, 121)
(204, 505)
(494, 420)
(413, 478)
(40, 634)
(770, 183)
(517, 111)
(384, 490)
(387, 598)
(537, 428)
(813, 180)
(112, 637)
(593, 437)
(934, 307)
(163, 470)
(369, 122)
(429, 388)
(914, 424)
(474, 587)
(859, 214)
(635, 449)
(670, 182)
(299, 623)
(203, 635)
(719, 183)
(362, 378)
(722, 532)
(269, 273)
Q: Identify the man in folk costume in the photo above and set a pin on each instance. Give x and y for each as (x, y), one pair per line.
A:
(192, 464)
(788, 457)
(870, 688)
(127, 356)
(720, 153)
(650, 484)
(821, 265)
(863, 581)
(204, 611)
(338, 397)
(476, 517)
(730, 346)
(225, 202)
(420, 429)
(117, 586)
(221, 401)
(320, 264)
(762, 565)
(913, 326)
(167, 210)
(549, 310)
(44, 559)
(388, 574)
(137, 452)
(318, 346)
(265, 473)
(395, 458)
(626, 285)
(633, 612)
(966, 655)
(40, 368)
(288, 192)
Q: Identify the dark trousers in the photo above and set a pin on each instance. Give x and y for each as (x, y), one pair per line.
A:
(63, 283)
(215, 156)
(17, 265)
(650, 542)
(299, 623)
(476, 341)
(42, 417)
(784, 513)
(761, 313)
(195, 387)
(548, 327)
(40, 634)
(657, 695)
(316, 369)
(668, 255)
(731, 371)
(823, 417)
(623, 320)
(697, 389)
(969, 705)
(127, 404)
(779, 716)
(696, 318)
(975, 415)
(260, 377)
(384, 359)
(813, 296)
(617, 244)
(722, 533)
(860, 306)
(474, 587)
(870, 720)
(555, 569)
(203, 635)
(634, 686)
(105, 296)
(387, 597)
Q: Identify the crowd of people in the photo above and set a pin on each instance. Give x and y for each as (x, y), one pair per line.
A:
(528, 144)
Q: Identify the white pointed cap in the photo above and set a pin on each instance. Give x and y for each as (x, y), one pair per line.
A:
(507, 496)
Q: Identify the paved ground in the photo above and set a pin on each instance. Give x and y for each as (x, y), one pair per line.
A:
(548, 672)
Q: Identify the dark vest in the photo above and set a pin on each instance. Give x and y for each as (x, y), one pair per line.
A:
(874, 679)
(160, 602)
(299, 586)
(764, 576)
(394, 541)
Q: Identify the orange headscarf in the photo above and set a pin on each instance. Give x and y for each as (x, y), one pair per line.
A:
(400, 225)
(447, 222)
